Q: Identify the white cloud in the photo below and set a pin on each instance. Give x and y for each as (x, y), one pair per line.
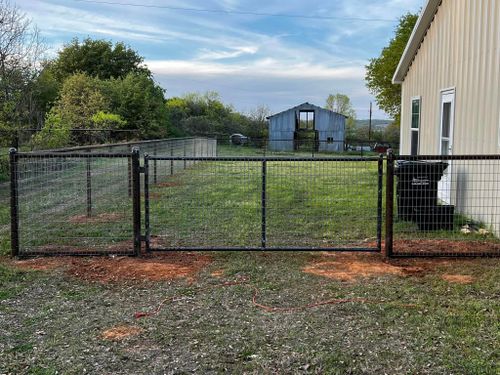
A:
(262, 68)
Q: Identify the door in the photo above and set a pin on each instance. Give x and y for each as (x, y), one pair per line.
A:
(446, 142)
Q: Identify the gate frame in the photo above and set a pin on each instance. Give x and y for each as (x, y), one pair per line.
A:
(133, 159)
(263, 160)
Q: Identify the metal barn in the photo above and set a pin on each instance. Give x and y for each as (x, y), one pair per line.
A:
(306, 126)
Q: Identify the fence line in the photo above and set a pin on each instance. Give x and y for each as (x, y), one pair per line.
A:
(87, 201)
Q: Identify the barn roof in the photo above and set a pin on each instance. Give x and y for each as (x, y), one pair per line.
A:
(416, 39)
(305, 106)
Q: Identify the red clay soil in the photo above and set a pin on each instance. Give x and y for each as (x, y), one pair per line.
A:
(169, 184)
(118, 333)
(350, 266)
(458, 279)
(445, 247)
(101, 218)
(114, 269)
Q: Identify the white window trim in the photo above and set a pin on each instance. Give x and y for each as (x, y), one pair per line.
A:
(419, 98)
(449, 90)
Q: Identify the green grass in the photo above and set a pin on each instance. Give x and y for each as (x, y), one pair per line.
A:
(419, 324)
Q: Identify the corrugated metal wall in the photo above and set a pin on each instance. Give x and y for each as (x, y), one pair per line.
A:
(461, 51)
(330, 127)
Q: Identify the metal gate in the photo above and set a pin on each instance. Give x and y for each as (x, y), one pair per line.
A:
(263, 203)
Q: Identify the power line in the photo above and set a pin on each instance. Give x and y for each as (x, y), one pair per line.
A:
(236, 12)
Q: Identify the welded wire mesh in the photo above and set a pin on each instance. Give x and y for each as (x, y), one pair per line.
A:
(73, 204)
(79, 201)
(447, 205)
(272, 203)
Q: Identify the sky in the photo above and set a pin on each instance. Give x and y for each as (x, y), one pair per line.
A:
(252, 52)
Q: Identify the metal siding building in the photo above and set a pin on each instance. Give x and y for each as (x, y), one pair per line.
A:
(329, 125)
(453, 58)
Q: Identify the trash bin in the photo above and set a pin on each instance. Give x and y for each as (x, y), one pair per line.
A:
(417, 189)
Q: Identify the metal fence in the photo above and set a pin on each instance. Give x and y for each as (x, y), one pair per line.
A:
(89, 201)
(259, 203)
(84, 201)
(444, 205)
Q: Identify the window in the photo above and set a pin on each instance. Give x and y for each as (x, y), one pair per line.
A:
(415, 126)
(306, 120)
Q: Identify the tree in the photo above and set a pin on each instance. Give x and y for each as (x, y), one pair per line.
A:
(380, 70)
(97, 58)
(341, 103)
(140, 102)
(20, 52)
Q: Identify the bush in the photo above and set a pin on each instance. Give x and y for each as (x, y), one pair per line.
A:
(4, 168)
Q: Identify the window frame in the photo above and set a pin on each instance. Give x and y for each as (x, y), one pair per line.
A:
(417, 129)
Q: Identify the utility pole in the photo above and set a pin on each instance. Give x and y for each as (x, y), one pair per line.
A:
(370, 124)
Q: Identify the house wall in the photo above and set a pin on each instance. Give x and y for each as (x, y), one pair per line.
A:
(462, 51)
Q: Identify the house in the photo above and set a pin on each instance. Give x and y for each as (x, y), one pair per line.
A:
(450, 84)
(306, 127)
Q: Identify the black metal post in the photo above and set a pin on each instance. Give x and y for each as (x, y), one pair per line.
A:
(136, 200)
(389, 205)
(147, 228)
(89, 188)
(14, 206)
(380, 200)
(263, 204)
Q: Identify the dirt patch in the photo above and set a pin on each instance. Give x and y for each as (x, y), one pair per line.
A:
(458, 279)
(445, 247)
(348, 267)
(217, 274)
(107, 217)
(115, 269)
(169, 184)
(120, 332)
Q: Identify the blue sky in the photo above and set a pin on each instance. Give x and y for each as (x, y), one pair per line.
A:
(249, 59)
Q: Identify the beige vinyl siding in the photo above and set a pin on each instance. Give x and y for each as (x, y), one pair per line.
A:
(462, 51)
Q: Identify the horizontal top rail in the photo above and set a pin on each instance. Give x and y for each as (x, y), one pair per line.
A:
(70, 155)
(122, 144)
(258, 158)
(446, 157)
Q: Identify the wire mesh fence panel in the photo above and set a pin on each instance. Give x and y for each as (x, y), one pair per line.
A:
(73, 204)
(447, 206)
(210, 204)
(324, 203)
(258, 203)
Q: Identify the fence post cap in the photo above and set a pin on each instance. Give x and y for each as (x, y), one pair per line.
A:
(12, 150)
(135, 150)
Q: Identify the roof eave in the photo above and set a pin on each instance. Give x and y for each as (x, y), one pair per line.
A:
(416, 38)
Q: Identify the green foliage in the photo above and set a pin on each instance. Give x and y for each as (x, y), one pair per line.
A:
(341, 103)
(4, 167)
(104, 120)
(205, 114)
(380, 70)
(140, 102)
(55, 133)
(97, 58)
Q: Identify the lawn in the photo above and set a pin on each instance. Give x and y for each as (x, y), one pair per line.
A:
(419, 317)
